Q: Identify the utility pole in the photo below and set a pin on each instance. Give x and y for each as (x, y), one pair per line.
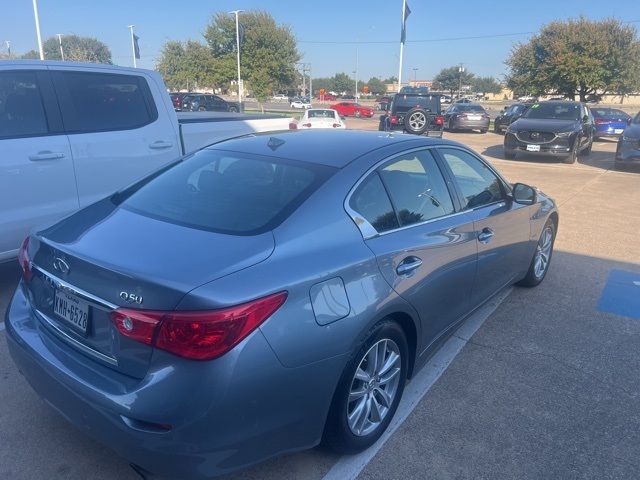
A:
(240, 86)
(35, 14)
(310, 85)
(8, 43)
(59, 35)
(133, 47)
(356, 72)
(460, 72)
(415, 69)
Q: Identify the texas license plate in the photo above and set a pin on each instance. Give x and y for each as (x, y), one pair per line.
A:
(618, 130)
(533, 148)
(73, 310)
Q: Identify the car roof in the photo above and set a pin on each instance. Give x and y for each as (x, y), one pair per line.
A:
(328, 147)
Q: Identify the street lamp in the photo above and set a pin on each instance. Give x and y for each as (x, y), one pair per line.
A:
(59, 35)
(460, 72)
(37, 18)
(236, 12)
(415, 69)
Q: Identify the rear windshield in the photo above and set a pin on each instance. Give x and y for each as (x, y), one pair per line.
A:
(228, 192)
(321, 114)
(428, 102)
(608, 113)
(470, 108)
(556, 111)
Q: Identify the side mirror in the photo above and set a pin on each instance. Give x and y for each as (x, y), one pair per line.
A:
(524, 194)
(585, 119)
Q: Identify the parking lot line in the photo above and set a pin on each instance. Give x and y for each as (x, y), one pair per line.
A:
(349, 467)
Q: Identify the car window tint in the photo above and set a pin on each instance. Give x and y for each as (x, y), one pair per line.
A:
(228, 192)
(479, 185)
(92, 102)
(371, 201)
(417, 188)
(21, 109)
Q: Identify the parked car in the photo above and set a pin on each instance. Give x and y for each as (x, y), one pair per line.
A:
(466, 116)
(609, 122)
(71, 134)
(352, 109)
(509, 115)
(203, 102)
(318, 118)
(560, 128)
(628, 149)
(527, 99)
(410, 89)
(176, 99)
(445, 99)
(300, 104)
(414, 113)
(328, 97)
(347, 96)
(464, 100)
(382, 103)
(267, 293)
(280, 97)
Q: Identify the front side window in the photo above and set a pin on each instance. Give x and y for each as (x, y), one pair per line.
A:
(228, 192)
(417, 188)
(93, 102)
(21, 110)
(478, 184)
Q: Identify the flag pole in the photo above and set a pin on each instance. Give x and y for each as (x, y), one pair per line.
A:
(133, 47)
(404, 7)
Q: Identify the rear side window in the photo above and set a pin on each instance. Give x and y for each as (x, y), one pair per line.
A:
(228, 192)
(21, 109)
(478, 184)
(417, 188)
(95, 102)
(371, 201)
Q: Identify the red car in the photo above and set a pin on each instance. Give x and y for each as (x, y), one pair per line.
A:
(327, 97)
(351, 109)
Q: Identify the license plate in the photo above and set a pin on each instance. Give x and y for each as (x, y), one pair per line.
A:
(474, 117)
(533, 148)
(72, 310)
(618, 130)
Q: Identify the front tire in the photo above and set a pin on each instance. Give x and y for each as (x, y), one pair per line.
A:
(573, 156)
(509, 154)
(542, 256)
(369, 390)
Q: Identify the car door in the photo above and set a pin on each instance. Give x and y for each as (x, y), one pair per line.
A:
(502, 227)
(116, 132)
(218, 104)
(426, 249)
(37, 178)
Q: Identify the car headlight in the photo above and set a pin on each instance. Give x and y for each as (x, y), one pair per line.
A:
(564, 134)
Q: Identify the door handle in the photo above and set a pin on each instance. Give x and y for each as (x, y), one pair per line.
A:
(408, 265)
(46, 155)
(485, 235)
(160, 144)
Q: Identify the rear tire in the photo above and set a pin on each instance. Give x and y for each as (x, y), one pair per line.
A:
(233, 110)
(201, 109)
(364, 404)
(417, 121)
(542, 257)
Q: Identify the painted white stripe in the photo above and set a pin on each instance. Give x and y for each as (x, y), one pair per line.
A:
(349, 467)
(1, 326)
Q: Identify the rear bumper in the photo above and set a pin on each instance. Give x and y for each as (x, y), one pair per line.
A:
(225, 414)
(471, 124)
(628, 152)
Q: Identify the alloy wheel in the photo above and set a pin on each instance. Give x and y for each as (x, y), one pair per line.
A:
(543, 252)
(417, 120)
(374, 387)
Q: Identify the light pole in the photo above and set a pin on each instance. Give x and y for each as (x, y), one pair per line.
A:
(240, 86)
(133, 46)
(59, 35)
(35, 14)
(8, 44)
(460, 72)
(415, 69)
(356, 72)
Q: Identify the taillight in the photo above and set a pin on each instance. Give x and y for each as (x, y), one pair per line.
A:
(25, 260)
(439, 120)
(307, 125)
(336, 125)
(197, 335)
(394, 120)
(293, 126)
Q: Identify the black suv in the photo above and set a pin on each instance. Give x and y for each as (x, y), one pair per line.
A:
(416, 113)
(200, 102)
(509, 115)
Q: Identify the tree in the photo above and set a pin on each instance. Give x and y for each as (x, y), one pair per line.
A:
(268, 51)
(376, 86)
(341, 82)
(486, 85)
(76, 49)
(391, 79)
(451, 79)
(577, 57)
(188, 65)
(322, 82)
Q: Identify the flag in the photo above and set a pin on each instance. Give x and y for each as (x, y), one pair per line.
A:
(407, 12)
(136, 47)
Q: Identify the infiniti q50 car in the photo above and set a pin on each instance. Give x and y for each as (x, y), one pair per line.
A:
(267, 293)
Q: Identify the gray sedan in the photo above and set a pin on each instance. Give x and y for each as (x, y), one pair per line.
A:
(466, 116)
(267, 293)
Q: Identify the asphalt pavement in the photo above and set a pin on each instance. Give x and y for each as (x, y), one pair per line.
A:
(547, 387)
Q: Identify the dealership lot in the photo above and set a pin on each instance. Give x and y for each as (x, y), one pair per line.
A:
(546, 388)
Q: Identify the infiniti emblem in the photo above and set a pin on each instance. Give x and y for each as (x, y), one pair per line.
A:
(60, 265)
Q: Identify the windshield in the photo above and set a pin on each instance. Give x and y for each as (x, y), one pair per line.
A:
(555, 111)
(228, 192)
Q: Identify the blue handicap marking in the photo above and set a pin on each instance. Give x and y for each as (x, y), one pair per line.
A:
(621, 294)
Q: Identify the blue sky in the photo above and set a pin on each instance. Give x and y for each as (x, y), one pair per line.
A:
(341, 21)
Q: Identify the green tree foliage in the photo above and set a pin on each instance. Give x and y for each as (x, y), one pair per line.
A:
(76, 49)
(449, 79)
(391, 80)
(486, 85)
(577, 57)
(268, 51)
(341, 82)
(376, 86)
(321, 82)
